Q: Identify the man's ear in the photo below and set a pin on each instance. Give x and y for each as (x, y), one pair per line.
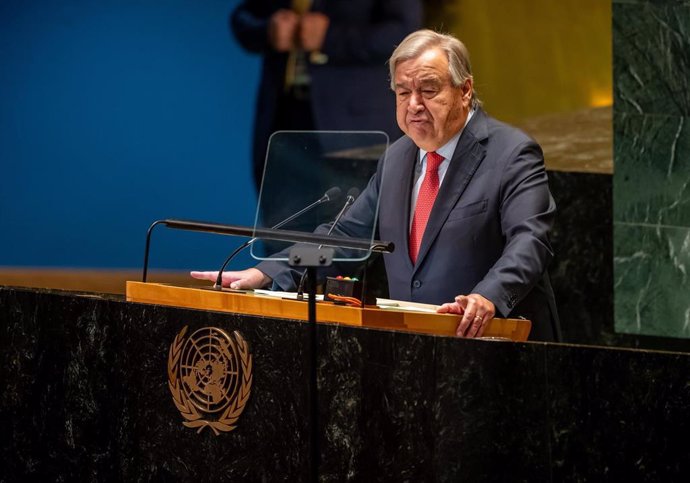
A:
(467, 89)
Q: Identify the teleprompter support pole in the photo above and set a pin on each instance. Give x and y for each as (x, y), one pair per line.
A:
(311, 257)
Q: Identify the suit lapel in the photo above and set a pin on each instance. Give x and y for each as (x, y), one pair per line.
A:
(467, 157)
(400, 174)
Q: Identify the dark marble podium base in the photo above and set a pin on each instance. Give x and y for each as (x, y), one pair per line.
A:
(85, 397)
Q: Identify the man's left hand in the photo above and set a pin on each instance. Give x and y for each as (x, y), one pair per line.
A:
(476, 313)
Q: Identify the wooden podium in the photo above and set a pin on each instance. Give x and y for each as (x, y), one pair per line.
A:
(326, 312)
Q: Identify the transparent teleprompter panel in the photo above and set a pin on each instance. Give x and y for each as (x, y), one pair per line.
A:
(313, 178)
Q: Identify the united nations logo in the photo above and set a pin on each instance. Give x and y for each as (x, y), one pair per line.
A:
(210, 378)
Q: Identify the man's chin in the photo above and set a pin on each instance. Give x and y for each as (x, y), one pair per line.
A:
(421, 137)
(417, 131)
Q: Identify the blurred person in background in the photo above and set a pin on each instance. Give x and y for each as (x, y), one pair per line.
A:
(324, 64)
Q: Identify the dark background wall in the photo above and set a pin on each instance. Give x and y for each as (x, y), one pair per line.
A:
(114, 114)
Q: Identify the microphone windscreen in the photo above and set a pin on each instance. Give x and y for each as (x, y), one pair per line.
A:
(353, 192)
(332, 193)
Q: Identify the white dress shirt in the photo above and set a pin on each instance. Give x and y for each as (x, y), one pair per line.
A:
(446, 151)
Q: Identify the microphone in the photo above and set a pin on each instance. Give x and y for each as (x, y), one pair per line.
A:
(352, 195)
(331, 194)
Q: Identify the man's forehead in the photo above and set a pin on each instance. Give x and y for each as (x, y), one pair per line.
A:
(421, 76)
(430, 64)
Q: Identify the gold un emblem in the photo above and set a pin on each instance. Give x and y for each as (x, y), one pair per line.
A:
(210, 378)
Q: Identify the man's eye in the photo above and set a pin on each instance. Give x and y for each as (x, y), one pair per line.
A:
(403, 93)
(429, 92)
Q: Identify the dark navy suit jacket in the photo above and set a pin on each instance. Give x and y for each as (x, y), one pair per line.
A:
(351, 91)
(487, 232)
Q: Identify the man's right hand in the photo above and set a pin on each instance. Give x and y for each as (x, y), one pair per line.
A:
(242, 280)
(282, 30)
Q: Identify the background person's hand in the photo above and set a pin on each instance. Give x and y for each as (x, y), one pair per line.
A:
(476, 313)
(312, 32)
(241, 280)
(282, 30)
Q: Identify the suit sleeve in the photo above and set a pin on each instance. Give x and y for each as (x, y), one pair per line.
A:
(371, 39)
(249, 24)
(527, 211)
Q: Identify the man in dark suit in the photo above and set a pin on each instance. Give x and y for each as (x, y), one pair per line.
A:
(464, 197)
(323, 63)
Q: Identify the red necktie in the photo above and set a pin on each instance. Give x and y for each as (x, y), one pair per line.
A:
(425, 201)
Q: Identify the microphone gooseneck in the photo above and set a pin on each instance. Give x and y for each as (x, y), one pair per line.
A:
(331, 194)
(352, 195)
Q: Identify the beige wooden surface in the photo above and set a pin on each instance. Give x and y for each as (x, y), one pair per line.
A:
(261, 305)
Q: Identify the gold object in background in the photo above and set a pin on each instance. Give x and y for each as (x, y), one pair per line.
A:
(301, 6)
(296, 60)
(544, 66)
(533, 57)
(210, 373)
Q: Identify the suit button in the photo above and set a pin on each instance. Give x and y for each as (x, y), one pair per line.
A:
(416, 284)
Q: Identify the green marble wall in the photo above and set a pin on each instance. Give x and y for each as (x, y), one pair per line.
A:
(651, 183)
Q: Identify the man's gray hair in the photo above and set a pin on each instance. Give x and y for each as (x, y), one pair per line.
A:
(420, 41)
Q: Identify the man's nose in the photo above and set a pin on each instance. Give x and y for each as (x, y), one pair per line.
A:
(416, 102)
